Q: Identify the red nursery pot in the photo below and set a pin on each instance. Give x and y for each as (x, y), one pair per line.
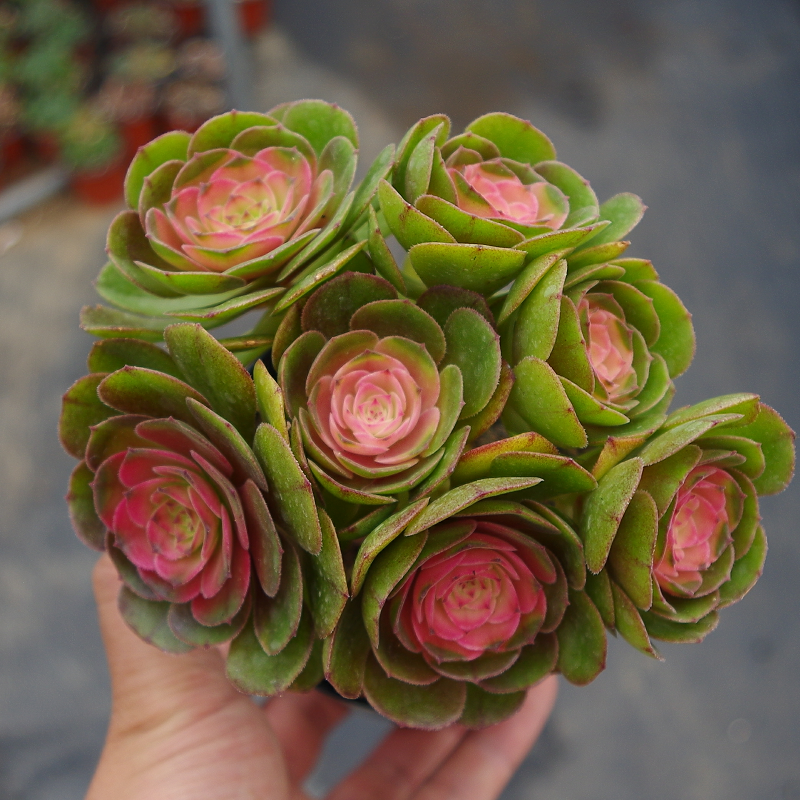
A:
(45, 146)
(12, 148)
(253, 15)
(99, 187)
(138, 132)
(106, 5)
(191, 18)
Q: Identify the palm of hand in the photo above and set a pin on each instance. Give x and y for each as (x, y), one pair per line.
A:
(180, 731)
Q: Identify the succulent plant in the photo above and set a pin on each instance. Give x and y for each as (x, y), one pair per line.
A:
(220, 222)
(201, 59)
(123, 101)
(49, 113)
(672, 533)
(141, 21)
(60, 23)
(145, 61)
(89, 142)
(474, 208)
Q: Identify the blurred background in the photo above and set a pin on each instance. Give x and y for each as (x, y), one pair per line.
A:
(692, 104)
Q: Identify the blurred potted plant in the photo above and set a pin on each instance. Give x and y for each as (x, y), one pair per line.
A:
(142, 62)
(131, 105)
(94, 153)
(142, 21)
(188, 103)
(44, 117)
(11, 144)
(59, 23)
(191, 16)
(201, 59)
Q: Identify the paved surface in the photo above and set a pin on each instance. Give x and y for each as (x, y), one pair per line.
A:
(693, 105)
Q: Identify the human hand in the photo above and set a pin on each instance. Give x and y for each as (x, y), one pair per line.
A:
(180, 731)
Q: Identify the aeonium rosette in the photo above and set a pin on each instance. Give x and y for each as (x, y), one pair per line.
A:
(603, 342)
(460, 605)
(472, 209)
(173, 483)
(220, 220)
(384, 392)
(673, 531)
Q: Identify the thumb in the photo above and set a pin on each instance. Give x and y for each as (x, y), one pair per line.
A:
(150, 687)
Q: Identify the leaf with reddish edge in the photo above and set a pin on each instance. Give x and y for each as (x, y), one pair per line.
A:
(581, 641)
(453, 448)
(565, 239)
(604, 508)
(135, 390)
(486, 666)
(688, 609)
(221, 130)
(226, 603)
(663, 479)
(326, 581)
(216, 373)
(536, 326)
(216, 315)
(679, 632)
(81, 408)
(365, 191)
(449, 403)
(364, 525)
(628, 622)
(559, 474)
(87, 525)
(614, 450)
(258, 137)
(230, 443)
(275, 620)
(291, 491)
(409, 225)
(441, 301)
(632, 551)
(420, 164)
(745, 572)
(269, 399)
(388, 569)
(113, 435)
(668, 442)
(312, 674)
(252, 671)
(148, 620)
(526, 282)
(743, 403)
(111, 323)
(157, 187)
(598, 587)
(534, 663)
(465, 227)
(381, 255)
(331, 308)
(427, 707)
(490, 413)
(399, 662)
(754, 461)
(345, 652)
(127, 572)
(378, 539)
(275, 259)
(295, 367)
(583, 256)
(478, 461)
(474, 347)
(167, 147)
(183, 624)
(113, 354)
(108, 489)
(347, 493)
(745, 532)
(462, 497)
(777, 443)
(483, 708)
(265, 545)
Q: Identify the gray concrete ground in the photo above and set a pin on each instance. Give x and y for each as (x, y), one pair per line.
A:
(693, 104)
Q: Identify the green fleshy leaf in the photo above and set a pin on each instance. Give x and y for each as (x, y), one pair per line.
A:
(663, 479)
(745, 532)
(317, 121)
(148, 620)
(604, 508)
(345, 653)
(672, 440)
(332, 306)
(536, 325)
(288, 330)
(381, 255)
(657, 388)
(291, 492)
(490, 413)
(80, 501)
(413, 137)
(216, 373)
(294, 367)
(589, 410)
(260, 136)
(441, 301)
(365, 191)
(467, 228)
(453, 448)
(483, 709)
(127, 572)
(410, 226)
(400, 663)
(203, 283)
(515, 138)
(318, 277)
(539, 398)
(109, 323)
(349, 494)
(742, 403)
(113, 435)
(677, 341)
(614, 449)
(378, 539)
(593, 272)
(477, 462)
(81, 408)
(191, 632)
(624, 211)
(427, 707)
(134, 390)
(269, 399)
(598, 587)
(313, 672)
(456, 500)
(339, 156)
(601, 254)
(583, 203)
(777, 443)
(214, 316)
(401, 318)
(561, 539)
(690, 609)
(745, 572)
(631, 556)
(581, 641)
(559, 474)
(168, 147)
(156, 188)
(388, 569)
(525, 283)
(679, 632)
(481, 668)
(266, 264)
(535, 662)
(363, 526)
(252, 671)
(638, 307)
(265, 545)
(449, 403)
(276, 619)
(326, 581)
(474, 347)
(479, 268)
(565, 239)
(221, 130)
(629, 623)
(420, 163)
(113, 354)
(569, 357)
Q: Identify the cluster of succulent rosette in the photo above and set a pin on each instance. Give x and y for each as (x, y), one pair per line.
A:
(441, 464)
